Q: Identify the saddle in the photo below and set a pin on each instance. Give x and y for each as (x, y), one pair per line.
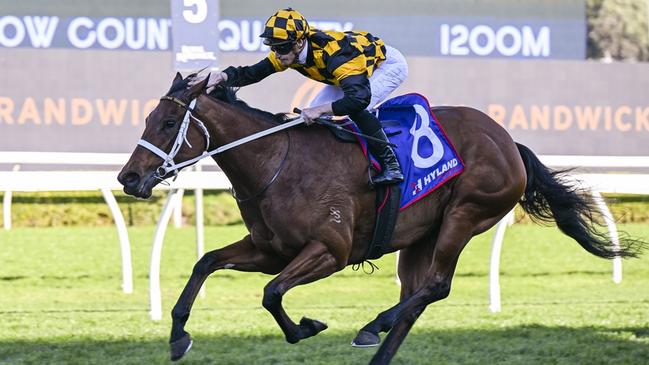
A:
(341, 135)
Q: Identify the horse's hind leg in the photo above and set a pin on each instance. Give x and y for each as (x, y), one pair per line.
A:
(312, 263)
(456, 231)
(241, 256)
(414, 262)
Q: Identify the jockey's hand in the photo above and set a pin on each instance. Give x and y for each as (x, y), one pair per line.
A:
(311, 114)
(215, 79)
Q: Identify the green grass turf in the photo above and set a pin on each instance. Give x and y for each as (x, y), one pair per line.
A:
(61, 303)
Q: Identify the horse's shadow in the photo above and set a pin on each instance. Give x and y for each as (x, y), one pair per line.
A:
(528, 344)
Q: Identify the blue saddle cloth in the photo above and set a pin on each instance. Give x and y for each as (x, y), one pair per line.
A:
(427, 157)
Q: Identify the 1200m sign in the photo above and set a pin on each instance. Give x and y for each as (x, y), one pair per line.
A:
(484, 40)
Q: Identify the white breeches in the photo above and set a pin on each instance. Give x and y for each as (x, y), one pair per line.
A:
(388, 76)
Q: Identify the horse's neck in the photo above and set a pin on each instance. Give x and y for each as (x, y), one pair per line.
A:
(247, 166)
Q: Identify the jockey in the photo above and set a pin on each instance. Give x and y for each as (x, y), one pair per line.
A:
(359, 68)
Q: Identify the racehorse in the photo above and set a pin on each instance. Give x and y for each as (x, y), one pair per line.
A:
(288, 184)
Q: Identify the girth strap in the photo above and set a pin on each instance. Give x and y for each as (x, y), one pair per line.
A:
(387, 202)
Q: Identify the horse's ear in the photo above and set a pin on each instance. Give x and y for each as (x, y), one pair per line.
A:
(177, 78)
(195, 90)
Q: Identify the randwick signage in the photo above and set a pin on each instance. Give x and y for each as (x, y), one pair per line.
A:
(553, 107)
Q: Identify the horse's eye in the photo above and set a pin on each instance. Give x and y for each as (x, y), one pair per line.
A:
(169, 123)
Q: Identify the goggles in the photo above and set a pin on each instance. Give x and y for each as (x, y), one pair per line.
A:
(282, 48)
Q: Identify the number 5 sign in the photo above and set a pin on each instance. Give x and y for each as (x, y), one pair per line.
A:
(195, 32)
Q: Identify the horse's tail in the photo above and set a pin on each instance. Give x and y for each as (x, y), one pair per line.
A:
(549, 197)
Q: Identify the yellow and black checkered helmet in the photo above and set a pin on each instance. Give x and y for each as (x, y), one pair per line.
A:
(286, 25)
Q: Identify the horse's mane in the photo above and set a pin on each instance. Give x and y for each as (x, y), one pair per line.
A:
(228, 95)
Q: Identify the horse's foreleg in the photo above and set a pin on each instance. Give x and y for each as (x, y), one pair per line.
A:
(241, 256)
(312, 263)
(453, 237)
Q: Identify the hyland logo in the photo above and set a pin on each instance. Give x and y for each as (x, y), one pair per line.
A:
(428, 179)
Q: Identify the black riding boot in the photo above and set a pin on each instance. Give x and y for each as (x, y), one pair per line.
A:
(370, 125)
(391, 171)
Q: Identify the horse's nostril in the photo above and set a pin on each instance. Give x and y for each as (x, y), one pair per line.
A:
(131, 179)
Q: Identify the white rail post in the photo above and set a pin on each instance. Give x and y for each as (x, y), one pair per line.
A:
(6, 205)
(178, 209)
(124, 243)
(612, 231)
(397, 279)
(6, 210)
(200, 229)
(494, 270)
(155, 295)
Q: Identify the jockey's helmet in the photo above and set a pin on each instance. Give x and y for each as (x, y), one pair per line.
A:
(285, 26)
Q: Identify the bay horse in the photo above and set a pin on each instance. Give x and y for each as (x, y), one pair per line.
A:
(287, 185)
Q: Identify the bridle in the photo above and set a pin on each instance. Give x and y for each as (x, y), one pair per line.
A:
(169, 165)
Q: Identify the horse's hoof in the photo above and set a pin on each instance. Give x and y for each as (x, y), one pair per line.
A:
(366, 339)
(307, 328)
(312, 326)
(180, 347)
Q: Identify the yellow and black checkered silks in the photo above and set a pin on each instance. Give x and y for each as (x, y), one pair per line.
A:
(285, 25)
(334, 56)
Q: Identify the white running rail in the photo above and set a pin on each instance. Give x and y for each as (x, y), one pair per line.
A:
(597, 183)
(101, 176)
(13, 179)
